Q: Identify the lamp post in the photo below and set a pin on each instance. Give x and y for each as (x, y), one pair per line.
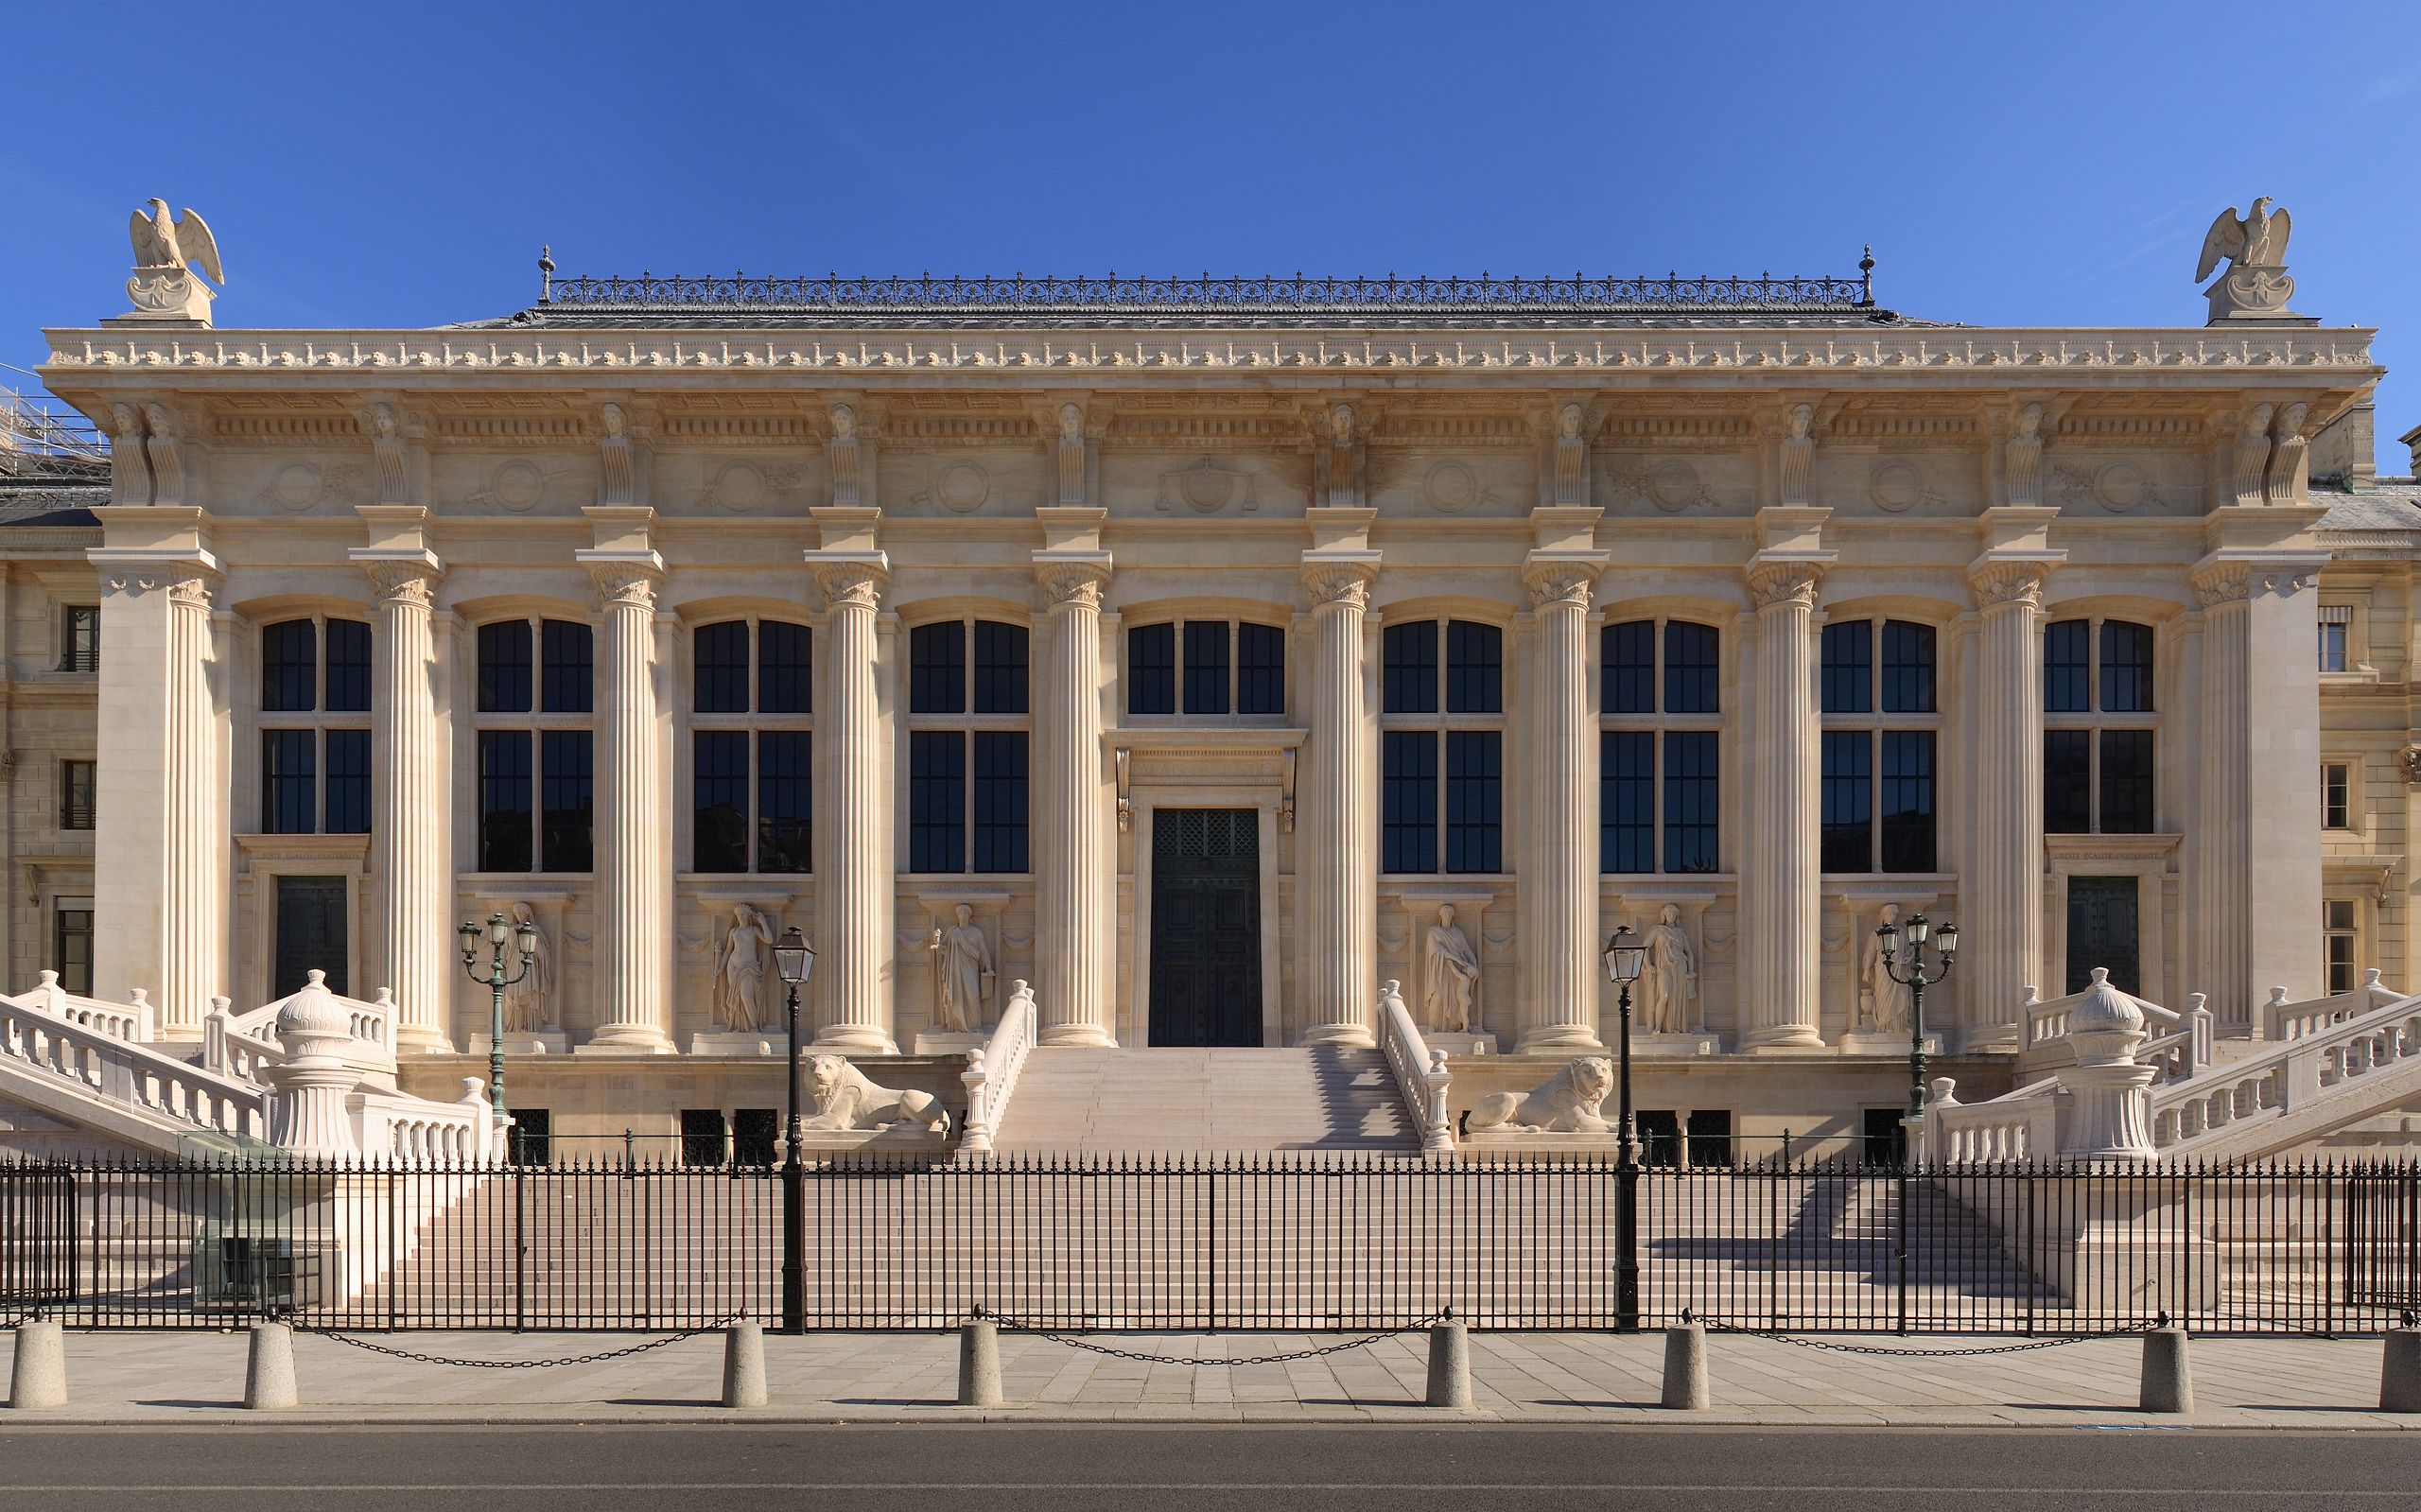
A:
(500, 933)
(794, 958)
(1916, 981)
(1625, 958)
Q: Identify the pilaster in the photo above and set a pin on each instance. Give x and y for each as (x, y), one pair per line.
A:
(1558, 890)
(853, 831)
(1781, 869)
(1337, 789)
(1073, 858)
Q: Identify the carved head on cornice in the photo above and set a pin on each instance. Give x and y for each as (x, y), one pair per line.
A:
(1568, 423)
(1072, 421)
(615, 424)
(844, 422)
(2029, 422)
(1340, 423)
(1802, 418)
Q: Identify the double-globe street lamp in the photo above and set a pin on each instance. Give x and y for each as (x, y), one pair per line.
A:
(1917, 979)
(501, 933)
(794, 958)
(1626, 957)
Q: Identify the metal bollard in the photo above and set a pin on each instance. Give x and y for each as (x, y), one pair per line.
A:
(2168, 1379)
(1450, 1363)
(1686, 1388)
(979, 1361)
(268, 1369)
(38, 1374)
(2399, 1371)
(743, 1365)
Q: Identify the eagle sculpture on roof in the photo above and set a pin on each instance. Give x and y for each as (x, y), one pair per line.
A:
(2258, 240)
(185, 243)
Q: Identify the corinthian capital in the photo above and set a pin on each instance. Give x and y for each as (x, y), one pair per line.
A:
(2007, 582)
(1346, 584)
(1562, 584)
(1792, 584)
(626, 587)
(1073, 584)
(192, 591)
(405, 584)
(2223, 582)
(850, 584)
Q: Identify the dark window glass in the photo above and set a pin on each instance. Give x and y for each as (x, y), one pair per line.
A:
(2068, 782)
(936, 801)
(80, 636)
(71, 953)
(1906, 801)
(702, 1137)
(1629, 652)
(78, 795)
(289, 785)
(1907, 668)
(568, 798)
(504, 667)
(1151, 669)
(1660, 1137)
(1412, 667)
(1475, 801)
(753, 1133)
(1475, 670)
(1206, 667)
(290, 667)
(1626, 801)
(719, 805)
(2126, 668)
(937, 669)
(532, 1135)
(348, 782)
(504, 801)
(348, 667)
(1710, 1135)
(1408, 818)
(570, 685)
(2067, 667)
(1849, 668)
(999, 801)
(1000, 667)
(1260, 670)
(718, 678)
(1848, 800)
(785, 668)
(1693, 679)
(785, 806)
(1691, 790)
(2126, 782)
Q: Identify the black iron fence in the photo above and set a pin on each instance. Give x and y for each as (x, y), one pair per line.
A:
(1302, 1240)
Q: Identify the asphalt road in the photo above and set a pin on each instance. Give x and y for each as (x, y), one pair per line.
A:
(1195, 1469)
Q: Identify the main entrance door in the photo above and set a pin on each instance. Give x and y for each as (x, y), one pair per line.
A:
(310, 933)
(2103, 932)
(1205, 927)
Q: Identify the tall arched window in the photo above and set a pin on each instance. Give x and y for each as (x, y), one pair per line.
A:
(969, 726)
(1444, 715)
(315, 728)
(536, 746)
(751, 764)
(1881, 730)
(2097, 747)
(1663, 727)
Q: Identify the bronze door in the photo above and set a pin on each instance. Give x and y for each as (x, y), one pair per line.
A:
(311, 934)
(1205, 927)
(2103, 932)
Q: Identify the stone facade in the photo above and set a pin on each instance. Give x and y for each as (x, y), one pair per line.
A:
(1559, 619)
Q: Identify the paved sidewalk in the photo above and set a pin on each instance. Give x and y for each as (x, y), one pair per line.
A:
(199, 1376)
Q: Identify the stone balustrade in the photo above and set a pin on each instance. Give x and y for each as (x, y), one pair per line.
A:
(107, 1065)
(414, 1130)
(135, 1021)
(2024, 1126)
(1422, 1078)
(245, 1045)
(991, 1075)
(2281, 1020)
(2280, 1081)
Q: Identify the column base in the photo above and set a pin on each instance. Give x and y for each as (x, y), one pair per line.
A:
(1349, 1036)
(1558, 1039)
(413, 1039)
(1990, 1039)
(851, 1040)
(1781, 1037)
(1090, 1036)
(627, 1040)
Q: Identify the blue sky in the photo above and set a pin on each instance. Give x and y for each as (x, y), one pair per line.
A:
(2054, 163)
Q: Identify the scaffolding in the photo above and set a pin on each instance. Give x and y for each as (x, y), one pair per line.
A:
(39, 442)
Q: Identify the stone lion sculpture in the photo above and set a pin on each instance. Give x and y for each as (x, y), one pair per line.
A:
(845, 1099)
(1566, 1104)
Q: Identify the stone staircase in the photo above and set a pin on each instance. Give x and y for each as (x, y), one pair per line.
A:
(1304, 1098)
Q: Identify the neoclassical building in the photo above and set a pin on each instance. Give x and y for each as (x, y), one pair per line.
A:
(1207, 655)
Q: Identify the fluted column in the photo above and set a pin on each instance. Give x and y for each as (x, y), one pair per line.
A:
(412, 941)
(633, 996)
(1780, 917)
(1073, 857)
(854, 887)
(1560, 889)
(2001, 888)
(1337, 808)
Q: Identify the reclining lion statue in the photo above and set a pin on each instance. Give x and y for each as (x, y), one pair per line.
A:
(845, 1099)
(1566, 1104)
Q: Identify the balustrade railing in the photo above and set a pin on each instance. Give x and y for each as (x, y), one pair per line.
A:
(2287, 1077)
(991, 1075)
(1422, 1080)
(2281, 1020)
(115, 1070)
(2024, 1126)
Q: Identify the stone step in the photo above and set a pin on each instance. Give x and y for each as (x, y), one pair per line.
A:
(1244, 1100)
